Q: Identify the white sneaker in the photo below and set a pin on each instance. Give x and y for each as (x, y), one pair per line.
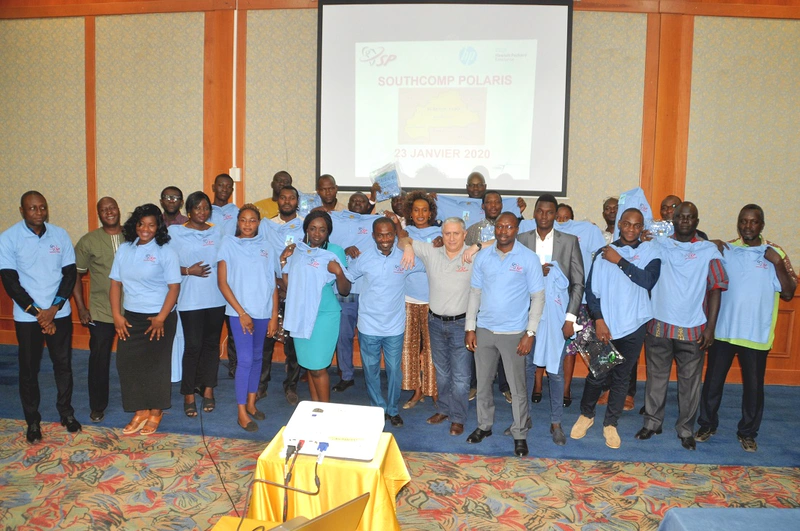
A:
(581, 426)
(612, 437)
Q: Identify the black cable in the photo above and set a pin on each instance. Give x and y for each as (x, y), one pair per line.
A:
(219, 472)
(288, 478)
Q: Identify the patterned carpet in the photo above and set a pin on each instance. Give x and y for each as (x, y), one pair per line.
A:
(99, 479)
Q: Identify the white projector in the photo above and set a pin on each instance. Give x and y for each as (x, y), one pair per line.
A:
(342, 431)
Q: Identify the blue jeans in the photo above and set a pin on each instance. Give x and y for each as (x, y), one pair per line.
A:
(453, 366)
(371, 362)
(347, 330)
(555, 382)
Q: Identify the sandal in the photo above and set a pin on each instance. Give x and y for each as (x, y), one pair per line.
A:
(209, 404)
(134, 425)
(190, 409)
(152, 423)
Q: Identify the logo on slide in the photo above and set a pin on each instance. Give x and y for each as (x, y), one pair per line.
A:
(376, 56)
(468, 55)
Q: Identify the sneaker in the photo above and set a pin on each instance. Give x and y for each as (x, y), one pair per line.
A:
(612, 437)
(629, 403)
(507, 395)
(704, 434)
(472, 394)
(581, 426)
(748, 443)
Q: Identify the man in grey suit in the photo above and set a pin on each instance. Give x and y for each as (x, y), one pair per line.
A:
(551, 245)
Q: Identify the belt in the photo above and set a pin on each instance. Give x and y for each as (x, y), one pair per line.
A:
(446, 317)
(353, 297)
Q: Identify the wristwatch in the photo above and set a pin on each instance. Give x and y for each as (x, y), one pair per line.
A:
(530, 333)
(479, 245)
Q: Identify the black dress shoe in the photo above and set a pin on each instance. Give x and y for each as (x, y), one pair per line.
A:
(520, 447)
(536, 397)
(646, 433)
(34, 432)
(567, 401)
(394, 419)
(71, 423)
(97, 416)
(478, 435)
(342, 385)
(688, 442)
(641, 411)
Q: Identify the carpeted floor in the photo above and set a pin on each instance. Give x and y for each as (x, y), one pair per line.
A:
(101, 480)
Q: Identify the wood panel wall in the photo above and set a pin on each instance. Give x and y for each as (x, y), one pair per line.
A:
(665, 119)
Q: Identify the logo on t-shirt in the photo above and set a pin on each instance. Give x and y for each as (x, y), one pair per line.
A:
(515, 267)
(761, 264)
(226, 217)
(264, 253)
(313, 262)
(208, 242)
(55, 249)
(557, 300)
(462, 269)
(398, 269)
(690, 256)
(150, 258)
(635, 258)
(363, 230)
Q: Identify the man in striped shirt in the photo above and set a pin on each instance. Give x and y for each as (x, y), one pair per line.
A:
(686, 301)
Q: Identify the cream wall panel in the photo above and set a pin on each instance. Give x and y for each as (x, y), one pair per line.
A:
(281, 129)
(744, 128)
(605, 136)
(42, 112)
(149, 106)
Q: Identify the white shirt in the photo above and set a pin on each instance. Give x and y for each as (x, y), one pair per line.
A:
(544, 248)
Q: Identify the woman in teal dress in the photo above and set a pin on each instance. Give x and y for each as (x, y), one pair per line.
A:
(315, 350)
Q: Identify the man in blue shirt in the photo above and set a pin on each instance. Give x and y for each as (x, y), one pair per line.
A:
(37, 267)
(382, 316)
(505, 305)
(746, 326)
(352, 231)
(618, 295)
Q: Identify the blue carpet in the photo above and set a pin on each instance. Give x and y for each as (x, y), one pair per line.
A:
(777, 444)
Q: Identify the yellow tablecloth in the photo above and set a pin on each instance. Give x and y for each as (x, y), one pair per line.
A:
(340, 481)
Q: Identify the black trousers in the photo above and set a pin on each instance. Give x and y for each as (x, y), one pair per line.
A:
(101, 341)
(31, 341)
(754, 365)
(292, 367)
(617, 379)
(201, 332)
(232, 358)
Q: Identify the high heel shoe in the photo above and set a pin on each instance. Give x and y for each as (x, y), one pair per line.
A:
(152, 423)
(411, 403)
(136, 424)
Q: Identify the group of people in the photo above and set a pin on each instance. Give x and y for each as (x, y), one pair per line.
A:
(453, 292)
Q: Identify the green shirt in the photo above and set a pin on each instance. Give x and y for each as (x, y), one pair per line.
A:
(95, 253)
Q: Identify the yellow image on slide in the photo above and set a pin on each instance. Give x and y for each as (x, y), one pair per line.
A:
(431, 116)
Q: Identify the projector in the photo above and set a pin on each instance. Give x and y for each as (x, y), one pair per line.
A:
(342, 431)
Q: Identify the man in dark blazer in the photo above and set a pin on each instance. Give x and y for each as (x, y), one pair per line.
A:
(551, 245)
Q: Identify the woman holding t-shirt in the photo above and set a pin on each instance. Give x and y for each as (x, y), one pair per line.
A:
(246, 269)
(312, 310)
(200, 304)
(146, 271)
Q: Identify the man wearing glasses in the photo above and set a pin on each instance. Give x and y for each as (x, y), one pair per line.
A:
(171, 204)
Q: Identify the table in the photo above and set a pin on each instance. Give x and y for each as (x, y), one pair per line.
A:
(340, 481)
(730, 519)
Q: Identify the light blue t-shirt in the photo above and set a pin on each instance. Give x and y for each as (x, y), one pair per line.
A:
(417, 281)
(468, 209)
(145, 272)
(225, 217)
(194, 246)
(625, 305)
(681, 288)
(281, 235)
(308, 273)
(252, 265)
(381, 306)
(634, 198)
(350, 228)
(38, 262)
(506, 286)
(746, 309)
(549, 336)
(590, 240)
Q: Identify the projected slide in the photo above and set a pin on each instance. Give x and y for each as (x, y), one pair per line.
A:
(454, 105)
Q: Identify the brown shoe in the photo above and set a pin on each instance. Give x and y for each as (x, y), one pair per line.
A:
(437, 418)
(603, 400)
(628, 403)
(456, 428)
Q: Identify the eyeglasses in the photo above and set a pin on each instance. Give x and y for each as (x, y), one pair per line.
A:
(171, 198)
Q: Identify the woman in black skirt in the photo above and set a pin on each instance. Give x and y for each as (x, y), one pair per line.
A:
(147, 272)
